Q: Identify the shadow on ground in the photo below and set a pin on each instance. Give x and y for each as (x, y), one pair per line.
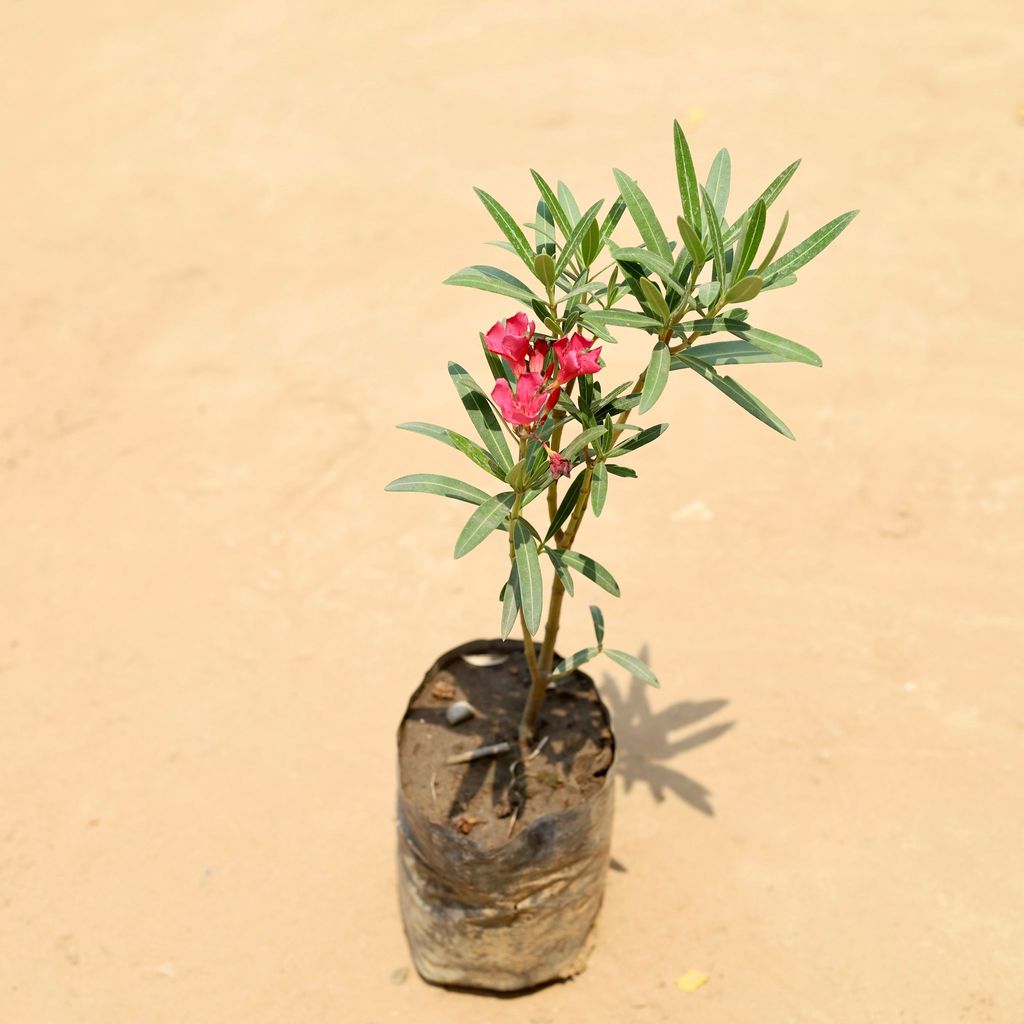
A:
(647, 740)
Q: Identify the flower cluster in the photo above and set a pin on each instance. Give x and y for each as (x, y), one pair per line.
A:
(540, 369)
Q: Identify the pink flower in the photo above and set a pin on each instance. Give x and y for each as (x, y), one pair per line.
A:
(575, 357)
(559, 466)
(511, 339)
(529, 402)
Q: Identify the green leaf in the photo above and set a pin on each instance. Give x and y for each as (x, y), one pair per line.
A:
(484, 520)
(645, 436)
(753, 229)
(783, 347)
(509, 228)
(562, 571)
(803, 253)
(577, 444)
(692, 242)
(553, 204)
(586, 566)
(612, 218)
(544, 229)
(737, 392)
(567, 504)
(598, 618)
(719, 178)
(509, 604)
(630, 663)
(470, 449)
(491, 279)
(445, 486)
(573, 662)
(714, 236)
(662, 267)
(591, 244)
(482, 415)
(744, 290)
(768, 196)
(657, 376)
(729, 353)
(544, 268)
(531, 585)
(622, 318)
(643, 215)
(780, 282)
(568, 201)
(572, 243)
(774, 247)
(623, 471)
(688, 191)
(598, 488)
(655, 298)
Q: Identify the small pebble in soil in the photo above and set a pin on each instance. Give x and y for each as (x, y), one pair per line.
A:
(458, 712)
(465, 824)
(443, 691)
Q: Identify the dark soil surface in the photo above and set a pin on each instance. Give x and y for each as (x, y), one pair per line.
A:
(478, 798)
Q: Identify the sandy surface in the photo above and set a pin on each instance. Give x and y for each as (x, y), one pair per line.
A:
(224, 227)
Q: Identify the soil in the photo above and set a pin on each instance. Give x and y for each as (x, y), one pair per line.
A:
(575, 747)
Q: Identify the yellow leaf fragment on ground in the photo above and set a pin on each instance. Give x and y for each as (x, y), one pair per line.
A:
(691, 981)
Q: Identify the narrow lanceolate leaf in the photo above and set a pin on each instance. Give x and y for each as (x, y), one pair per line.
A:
(688, 191)
(548, 195)
(484, 520)
(736, 391)
(624, 471)
(643, 216)
(645, 436)
(491, 279)
(753, 229)
(586, 566)
(728, 353)
(573, 662)
(655, 299)
(482, 415)
(591, 244)
(509, 604)
(562, 571)
(509, 228)
(470, 449)
(598, 328)
(598, 618)
(691, 239)
(544, 229)
(774, 247)
(598, 488)
(744, 290)
(719, 179)
(652, 261)
(631, 663)
(783, 347)
(531, 586)
(803, 253)
(568, 201)
(714, 236)
(577, 444)
(622, 318)
(768, 196)
(446, 486)
(565, 507)
(572, 243)
(657, 376)
(612, 218)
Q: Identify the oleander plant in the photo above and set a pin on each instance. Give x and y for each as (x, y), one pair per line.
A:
(552, 429)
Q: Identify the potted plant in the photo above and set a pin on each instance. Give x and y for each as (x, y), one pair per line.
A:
(505, 800)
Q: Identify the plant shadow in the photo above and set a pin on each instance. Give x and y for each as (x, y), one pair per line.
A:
(646, 740)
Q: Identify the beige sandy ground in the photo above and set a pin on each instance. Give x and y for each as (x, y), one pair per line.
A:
(224, 228)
